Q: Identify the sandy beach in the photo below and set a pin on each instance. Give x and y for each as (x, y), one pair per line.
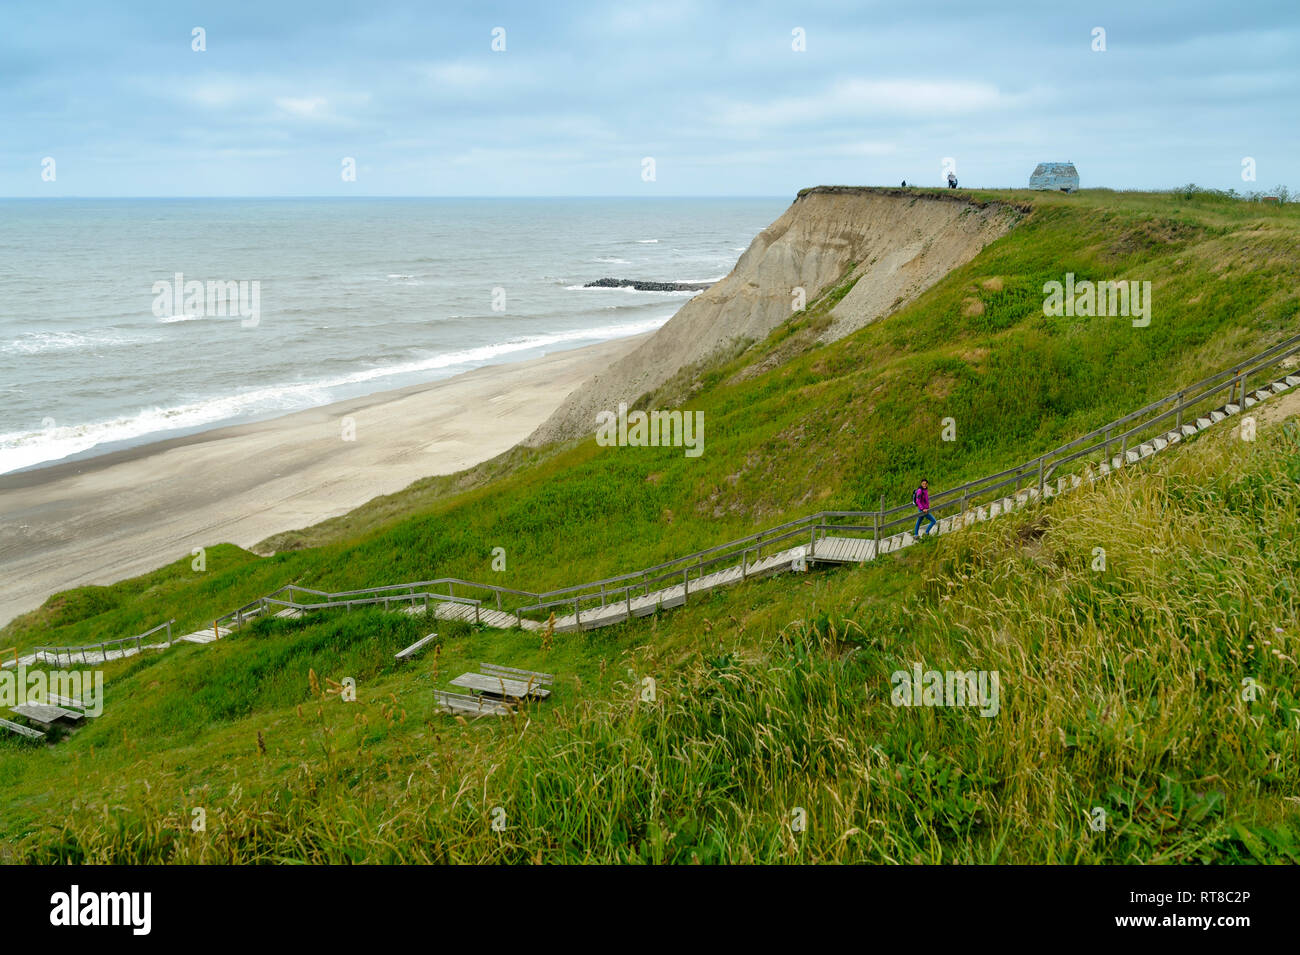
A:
(100, 520)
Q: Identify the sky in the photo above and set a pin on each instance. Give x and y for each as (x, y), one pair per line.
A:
(639, 97)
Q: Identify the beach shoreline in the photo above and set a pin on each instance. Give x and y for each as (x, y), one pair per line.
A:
(101, 519)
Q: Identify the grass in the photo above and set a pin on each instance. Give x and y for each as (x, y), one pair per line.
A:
(1121, 689)
(834, 427)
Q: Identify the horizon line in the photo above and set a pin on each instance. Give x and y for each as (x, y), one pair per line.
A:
(400, 196)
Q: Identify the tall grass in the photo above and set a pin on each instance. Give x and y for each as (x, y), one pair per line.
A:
(1122, 690)
(830, 427)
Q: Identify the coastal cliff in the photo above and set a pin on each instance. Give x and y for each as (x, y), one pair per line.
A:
(891, 244)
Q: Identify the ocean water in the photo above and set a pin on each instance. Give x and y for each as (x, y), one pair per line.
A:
(342, 297)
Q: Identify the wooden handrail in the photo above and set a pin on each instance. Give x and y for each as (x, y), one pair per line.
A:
(1040, 468)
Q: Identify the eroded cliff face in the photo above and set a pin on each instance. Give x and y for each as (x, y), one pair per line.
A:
(897, 243)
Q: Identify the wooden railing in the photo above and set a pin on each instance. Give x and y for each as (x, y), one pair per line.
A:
(1092, 449)
(44, 653)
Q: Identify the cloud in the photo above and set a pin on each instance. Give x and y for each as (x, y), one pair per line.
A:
(220, 93)
(859, 99)
(306, 107)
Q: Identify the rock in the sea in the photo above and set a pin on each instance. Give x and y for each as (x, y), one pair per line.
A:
(649, 286)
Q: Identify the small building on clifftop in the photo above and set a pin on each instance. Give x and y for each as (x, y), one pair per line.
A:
(1055, 175)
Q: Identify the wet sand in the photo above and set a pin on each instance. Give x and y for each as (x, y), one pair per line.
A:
(100, 520)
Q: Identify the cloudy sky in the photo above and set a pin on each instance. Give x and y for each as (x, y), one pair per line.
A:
(582, 94)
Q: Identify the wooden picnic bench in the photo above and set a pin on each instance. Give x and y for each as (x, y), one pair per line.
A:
(47, 714)
(495, 669)
(66, 702)
(472, 705)
(21, 730)
(498, 689)
(499, 686)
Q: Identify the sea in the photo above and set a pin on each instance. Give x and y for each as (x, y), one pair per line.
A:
(126, 321)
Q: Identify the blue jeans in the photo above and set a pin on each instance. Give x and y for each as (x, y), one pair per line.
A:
(924, 516)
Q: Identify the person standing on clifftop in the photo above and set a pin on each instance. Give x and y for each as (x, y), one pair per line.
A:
(921, 498)
(952, 180)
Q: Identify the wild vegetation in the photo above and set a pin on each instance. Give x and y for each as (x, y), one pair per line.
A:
(1121, 689)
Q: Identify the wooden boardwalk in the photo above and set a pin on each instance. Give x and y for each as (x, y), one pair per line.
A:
(94, 654)
(835, 548)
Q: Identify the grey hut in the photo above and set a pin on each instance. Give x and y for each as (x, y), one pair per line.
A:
(1055, 175)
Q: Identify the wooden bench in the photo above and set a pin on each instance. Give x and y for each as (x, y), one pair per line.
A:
(67, 703)
(510, 673)
(22, 730)
(472, 705)
(416, 647)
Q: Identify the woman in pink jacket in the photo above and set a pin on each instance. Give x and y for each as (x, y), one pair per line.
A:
(921, 498)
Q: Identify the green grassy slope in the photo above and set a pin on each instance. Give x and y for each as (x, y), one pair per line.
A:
(1121, 690)
(835, 427)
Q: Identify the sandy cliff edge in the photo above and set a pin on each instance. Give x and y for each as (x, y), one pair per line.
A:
(897, 242)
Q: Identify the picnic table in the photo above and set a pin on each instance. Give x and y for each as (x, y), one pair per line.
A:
(46, 714)
(501, 686)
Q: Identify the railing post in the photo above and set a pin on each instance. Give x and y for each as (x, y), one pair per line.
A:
(476, 606)
(1123, 451)
(577, 614)
(812, 541)
(1243, 389)
(1179, 426)
(744, 560)
(686, 583)
(1040, 478)
(1105, 451)
(627, 594)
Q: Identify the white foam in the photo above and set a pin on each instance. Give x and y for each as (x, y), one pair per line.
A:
(34, 343)
(20, 449)
(647, 241)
